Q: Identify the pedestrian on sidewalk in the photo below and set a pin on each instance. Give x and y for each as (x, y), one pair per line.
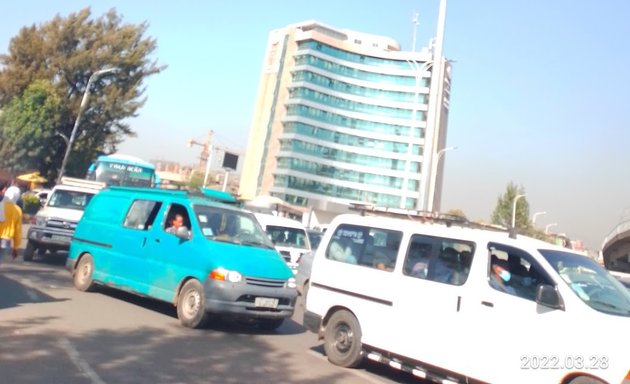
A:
(10, 225)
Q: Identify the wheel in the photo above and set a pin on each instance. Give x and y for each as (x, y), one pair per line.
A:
(191, 305)
(269, 324)
(585, 380)
(29, 251)
(342, 340)
(83, 274)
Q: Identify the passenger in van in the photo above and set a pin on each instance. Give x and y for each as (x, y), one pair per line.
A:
(340, 250)
(176, 222)
(500, 276)
(381, 261)
(445, 265)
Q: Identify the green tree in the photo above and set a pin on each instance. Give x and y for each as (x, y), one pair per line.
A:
(66, 51)
(27, 128)
(502, 214)
(196, 180)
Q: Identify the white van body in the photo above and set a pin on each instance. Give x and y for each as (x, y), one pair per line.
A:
(289, 237)
(563, 317)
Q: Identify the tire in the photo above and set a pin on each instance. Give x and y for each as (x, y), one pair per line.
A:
(342, 340)
(586, 380)
(269, 324)
(191, 305)
(29, 251)
(83, 273)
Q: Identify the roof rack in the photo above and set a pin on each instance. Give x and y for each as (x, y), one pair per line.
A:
(83, 183)
(421, 216)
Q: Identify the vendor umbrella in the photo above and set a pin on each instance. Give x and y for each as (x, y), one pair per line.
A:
(33, 178)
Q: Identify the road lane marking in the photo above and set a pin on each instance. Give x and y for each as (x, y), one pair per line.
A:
(79, 362)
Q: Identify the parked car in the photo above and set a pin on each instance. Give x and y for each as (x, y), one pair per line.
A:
(219, 262)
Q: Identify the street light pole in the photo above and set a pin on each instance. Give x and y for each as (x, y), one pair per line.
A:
(70, 140)
(549, 226)
(536, 215)
(434, 175)
(514, 210)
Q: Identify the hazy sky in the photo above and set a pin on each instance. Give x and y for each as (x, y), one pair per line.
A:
(539, 94)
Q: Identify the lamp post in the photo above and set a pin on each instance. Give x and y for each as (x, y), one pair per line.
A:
(70, 140)
(433, 175)
(419, 69)
(549, 226)
(536, 215)
(514, 210)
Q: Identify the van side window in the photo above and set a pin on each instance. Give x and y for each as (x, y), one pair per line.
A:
(514, 271)
(439, 259)
(141, 214)
(366, 246)
(173, 212)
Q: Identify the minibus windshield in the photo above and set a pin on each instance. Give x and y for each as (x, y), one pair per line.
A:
(231, 226)
(590, 282)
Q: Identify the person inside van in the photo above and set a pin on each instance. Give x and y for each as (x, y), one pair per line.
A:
(381, 261)
(176, 221)
(340, 250)
(500, 276)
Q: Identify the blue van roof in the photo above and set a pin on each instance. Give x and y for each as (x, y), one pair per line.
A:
(176, 193)
(222, 196)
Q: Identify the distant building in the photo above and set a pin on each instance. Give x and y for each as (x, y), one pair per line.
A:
(343, 117)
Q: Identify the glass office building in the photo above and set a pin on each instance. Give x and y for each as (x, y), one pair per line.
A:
(344, 117)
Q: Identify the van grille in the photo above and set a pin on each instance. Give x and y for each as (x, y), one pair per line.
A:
(260, 282)
(63, 224)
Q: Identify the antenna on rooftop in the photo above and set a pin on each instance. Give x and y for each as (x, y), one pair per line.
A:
(415, 21)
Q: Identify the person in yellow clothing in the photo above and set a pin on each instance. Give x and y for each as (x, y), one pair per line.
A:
(10, 225)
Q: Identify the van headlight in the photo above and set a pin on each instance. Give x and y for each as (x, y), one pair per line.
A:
(226, 275)
(291, 283)
(40, 221)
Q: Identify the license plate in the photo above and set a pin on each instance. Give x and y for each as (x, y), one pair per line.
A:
(266, 302)
(65, 239)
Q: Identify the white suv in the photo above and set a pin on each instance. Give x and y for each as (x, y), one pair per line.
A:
(54, 224)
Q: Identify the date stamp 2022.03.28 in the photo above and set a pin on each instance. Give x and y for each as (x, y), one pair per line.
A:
(581, 362)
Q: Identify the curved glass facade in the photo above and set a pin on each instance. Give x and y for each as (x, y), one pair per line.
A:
(351, 105)
(345, 139)
(352, 89)
(340, 104)
(378, 163)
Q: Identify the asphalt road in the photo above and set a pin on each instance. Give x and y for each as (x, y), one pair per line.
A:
(52, 333)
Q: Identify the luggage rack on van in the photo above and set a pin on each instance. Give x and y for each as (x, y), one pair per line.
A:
(422, 216)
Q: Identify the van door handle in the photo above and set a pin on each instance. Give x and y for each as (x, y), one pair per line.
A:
(487, 304)
(157, 240)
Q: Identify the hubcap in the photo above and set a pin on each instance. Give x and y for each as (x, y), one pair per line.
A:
(192, 303)
(84, 273)
(343, 338)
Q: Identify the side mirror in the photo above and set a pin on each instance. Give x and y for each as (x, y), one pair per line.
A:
(183, 233)
(549, 296)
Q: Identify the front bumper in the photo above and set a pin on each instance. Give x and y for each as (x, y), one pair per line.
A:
(57, 237)
(226, 298)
